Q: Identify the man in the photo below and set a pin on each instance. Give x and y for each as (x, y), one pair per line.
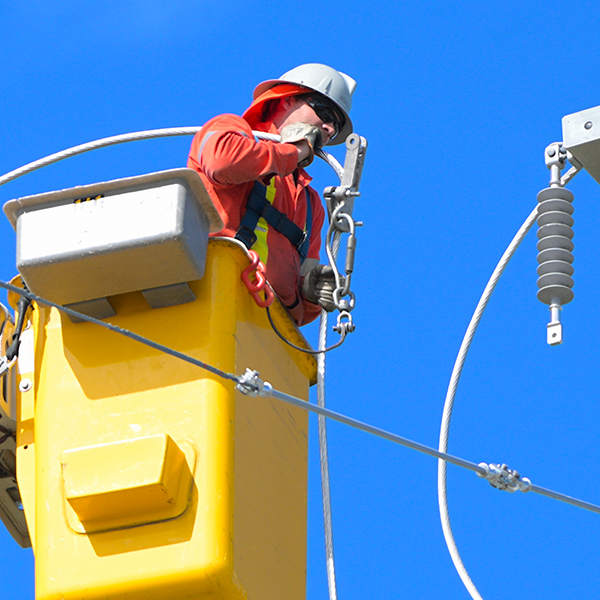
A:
(261, 189)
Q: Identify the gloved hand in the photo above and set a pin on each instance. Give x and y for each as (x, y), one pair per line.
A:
(298, 132)
(318, 286)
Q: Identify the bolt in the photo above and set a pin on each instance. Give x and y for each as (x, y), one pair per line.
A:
(551, 152)
(25, 385)
(589, 125)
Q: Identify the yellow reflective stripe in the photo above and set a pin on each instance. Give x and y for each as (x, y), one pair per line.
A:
(262, 227)
(270, 193)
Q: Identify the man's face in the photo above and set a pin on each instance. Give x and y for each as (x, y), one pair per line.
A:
(296, 110)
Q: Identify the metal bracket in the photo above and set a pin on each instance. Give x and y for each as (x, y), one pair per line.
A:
(556, 158)
(356, 148)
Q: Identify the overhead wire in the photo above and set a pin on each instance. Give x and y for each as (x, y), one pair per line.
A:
(121, 331)
(298, 402)
(451, 395)
(441, 453)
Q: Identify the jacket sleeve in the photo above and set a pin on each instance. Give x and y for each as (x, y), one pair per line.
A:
(226, 152)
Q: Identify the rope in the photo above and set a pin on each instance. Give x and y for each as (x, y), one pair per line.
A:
(451, 394)
(324, 459)
(322, 423)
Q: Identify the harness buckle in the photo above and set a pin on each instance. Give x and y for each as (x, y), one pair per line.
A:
(300, 244)
(246, 235)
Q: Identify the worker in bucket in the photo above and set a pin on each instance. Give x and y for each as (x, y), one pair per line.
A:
(261, 189)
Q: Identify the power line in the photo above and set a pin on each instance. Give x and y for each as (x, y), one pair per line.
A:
(251, 385)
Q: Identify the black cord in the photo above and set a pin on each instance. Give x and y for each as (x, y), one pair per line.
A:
(298, 347)
(22, 307)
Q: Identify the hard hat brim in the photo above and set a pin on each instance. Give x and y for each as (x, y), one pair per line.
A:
(346, 130)
(253, 114)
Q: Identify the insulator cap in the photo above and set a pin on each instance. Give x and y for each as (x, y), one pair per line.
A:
(555, 254)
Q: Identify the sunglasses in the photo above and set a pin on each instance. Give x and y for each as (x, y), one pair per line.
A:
(324, 111)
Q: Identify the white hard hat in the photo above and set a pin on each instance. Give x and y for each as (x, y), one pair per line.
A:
(334, 85)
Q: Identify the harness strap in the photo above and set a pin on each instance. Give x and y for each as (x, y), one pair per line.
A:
(258, 206)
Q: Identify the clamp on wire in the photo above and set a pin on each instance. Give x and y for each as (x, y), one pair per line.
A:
(251, 384)
(503, 478)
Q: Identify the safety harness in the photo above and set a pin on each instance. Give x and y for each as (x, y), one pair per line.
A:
(258, 206)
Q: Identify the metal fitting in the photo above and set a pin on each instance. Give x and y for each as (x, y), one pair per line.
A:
(503, 478)
(344, 323)
(251, 384)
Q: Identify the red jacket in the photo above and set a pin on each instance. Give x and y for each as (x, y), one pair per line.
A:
(229, 161)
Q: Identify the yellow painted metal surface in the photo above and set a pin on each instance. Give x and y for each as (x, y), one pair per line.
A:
(143, 476)
(136, 481)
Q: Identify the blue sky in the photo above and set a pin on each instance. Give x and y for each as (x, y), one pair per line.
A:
(458, 101)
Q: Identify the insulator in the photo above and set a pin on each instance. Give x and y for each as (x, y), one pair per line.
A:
(555, 246)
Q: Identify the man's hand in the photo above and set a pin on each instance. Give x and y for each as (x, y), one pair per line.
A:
(307, 137)
(318, 286)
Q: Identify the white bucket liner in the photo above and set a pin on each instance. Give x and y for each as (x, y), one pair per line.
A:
(114, 237)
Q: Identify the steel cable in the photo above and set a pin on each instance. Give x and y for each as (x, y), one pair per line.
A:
(298, 402)
(134, 137)
(451, 394)
(324, 452)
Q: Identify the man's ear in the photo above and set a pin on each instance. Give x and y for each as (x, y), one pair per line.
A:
(288, 101)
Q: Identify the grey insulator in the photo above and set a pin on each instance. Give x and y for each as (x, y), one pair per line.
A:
(555, 246)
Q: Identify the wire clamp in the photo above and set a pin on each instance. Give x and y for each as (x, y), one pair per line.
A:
(503, 478)
(251, 384)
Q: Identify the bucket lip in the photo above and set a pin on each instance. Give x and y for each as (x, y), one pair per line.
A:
(13, 209)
